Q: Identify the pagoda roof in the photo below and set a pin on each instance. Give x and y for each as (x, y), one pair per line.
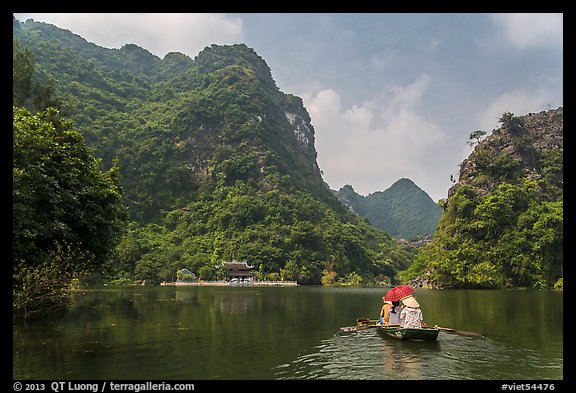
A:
(237, 265)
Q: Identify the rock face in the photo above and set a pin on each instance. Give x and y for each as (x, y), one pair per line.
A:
(502, 225)
(521, 140)
(424, 282)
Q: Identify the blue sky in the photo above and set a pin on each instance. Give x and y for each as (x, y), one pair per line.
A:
(390, 95)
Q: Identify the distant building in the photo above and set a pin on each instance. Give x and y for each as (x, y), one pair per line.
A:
(239, 270)
(185, 275)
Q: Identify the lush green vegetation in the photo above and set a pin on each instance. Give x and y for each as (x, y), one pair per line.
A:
(503, 227)
(289, 237)
(67, 214)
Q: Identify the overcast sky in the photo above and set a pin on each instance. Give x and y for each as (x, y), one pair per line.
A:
(390, 95)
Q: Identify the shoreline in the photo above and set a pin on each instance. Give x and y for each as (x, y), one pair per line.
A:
(233, 284)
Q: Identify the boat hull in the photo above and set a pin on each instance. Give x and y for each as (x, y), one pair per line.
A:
(424, 333)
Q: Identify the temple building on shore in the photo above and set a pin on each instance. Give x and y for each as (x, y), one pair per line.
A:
(239, 270)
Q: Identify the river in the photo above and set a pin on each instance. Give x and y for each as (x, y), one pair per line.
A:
(270, 333)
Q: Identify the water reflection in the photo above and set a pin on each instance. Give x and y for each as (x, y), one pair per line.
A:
(369, 355)
(288, 333)
(363, 355)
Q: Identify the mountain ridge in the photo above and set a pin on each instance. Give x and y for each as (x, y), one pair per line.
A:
(403, 210)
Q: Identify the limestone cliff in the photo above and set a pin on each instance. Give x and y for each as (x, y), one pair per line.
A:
(502, 225)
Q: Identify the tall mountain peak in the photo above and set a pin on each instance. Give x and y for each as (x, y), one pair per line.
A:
(403, 210)
(217, 57)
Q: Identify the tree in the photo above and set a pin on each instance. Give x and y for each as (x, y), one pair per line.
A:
(66, 211)
(26, 92)
(477, 135)
(22, 69)
(513, 123)
(290, 272)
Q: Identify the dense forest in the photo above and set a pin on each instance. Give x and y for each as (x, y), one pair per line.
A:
(404, 210)
(215, 162)
(502, 225)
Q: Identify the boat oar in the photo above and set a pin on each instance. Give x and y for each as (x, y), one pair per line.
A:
(356, 328)
(363, 321)
(462, 332)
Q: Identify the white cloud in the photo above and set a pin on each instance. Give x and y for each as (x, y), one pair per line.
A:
(518, 102)
(378, 141)
(159, 33)
(531, 30)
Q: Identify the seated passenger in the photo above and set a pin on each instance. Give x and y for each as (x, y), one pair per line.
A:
(383, 320)
(394, 313)
(411, 315)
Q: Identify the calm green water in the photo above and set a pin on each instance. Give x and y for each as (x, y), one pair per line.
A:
(208, 333)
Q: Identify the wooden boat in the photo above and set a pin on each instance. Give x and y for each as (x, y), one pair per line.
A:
(426, 333)
(429, 333)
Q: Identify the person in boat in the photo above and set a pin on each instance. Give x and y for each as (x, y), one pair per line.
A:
(383, 320)
(411, 315)
(394, 313)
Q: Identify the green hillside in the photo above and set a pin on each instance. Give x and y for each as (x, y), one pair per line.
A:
(404, 210)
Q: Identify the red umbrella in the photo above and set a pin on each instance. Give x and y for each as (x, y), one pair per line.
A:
(398, 293)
